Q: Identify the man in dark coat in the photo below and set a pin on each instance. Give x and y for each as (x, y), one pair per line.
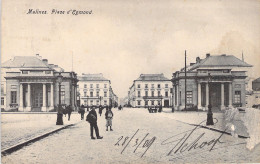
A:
(92, 119)
(100, 108)
(69, 109)
(82, 111)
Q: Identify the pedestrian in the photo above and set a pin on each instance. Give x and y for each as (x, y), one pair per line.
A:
(82, 111)
(69, 110)
(92, 119)
(160, 109)
(100, 110)
(109, 116)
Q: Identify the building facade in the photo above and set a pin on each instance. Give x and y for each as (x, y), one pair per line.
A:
(215, 80)
(253, 97)
(30, 84)
(95, 90)
(150, 90)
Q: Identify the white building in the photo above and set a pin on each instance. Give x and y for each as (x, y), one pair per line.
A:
(150, 90)
(95, 90)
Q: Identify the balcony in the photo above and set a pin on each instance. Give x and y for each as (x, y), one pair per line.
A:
(152, 97)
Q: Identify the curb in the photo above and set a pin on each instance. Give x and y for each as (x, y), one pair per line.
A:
(217, 130)
(210, 128)
(37, 138)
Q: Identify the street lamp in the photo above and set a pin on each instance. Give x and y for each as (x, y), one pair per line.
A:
(172, 102)
(87, 103)
(209, 114)
(100, 97)
(59, 114)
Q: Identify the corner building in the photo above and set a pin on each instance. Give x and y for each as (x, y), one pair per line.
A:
(30, 84)
(216, 80)
(150, 90)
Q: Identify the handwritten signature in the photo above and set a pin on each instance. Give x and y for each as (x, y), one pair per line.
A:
(181, 145)
(144, 143)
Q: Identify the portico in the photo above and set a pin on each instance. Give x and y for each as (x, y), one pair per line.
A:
(36, 95)
(218, 81)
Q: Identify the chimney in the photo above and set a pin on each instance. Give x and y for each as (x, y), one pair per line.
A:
(197, 59)
(45, 61)
(207, 55)
(223, 55)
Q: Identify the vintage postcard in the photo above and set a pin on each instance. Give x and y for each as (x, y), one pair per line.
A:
(141, 81)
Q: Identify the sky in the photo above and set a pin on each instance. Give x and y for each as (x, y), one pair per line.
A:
(125, 39)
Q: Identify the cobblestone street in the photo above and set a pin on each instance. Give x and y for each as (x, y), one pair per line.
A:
(138, 137)
(20, 127)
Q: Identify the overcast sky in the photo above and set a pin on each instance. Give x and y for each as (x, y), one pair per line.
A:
(124, 39)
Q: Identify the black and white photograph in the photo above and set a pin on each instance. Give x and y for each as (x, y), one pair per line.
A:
(138, 82)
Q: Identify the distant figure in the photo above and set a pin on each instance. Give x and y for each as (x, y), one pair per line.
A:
(69, 110)
(87, 108)
(160, 109)
(109, 116)
(119, 108)
(100, 108)
(92, 119)
(64, 111)
(82, 111)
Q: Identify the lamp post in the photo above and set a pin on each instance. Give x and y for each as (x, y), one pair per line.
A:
(172, 102)
(209, 114)
(100, 97)
(59, 114)
(87, 103)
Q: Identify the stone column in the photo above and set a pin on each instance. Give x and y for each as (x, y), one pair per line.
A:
(207, 96)
(21, 98)
(199, 95)
(75, 96)
(222, 97)
(177, 97)
(28, 107)
(51, 97)
(230, 102)
(44, 97)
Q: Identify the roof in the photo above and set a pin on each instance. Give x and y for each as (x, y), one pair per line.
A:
(220, 61)
(152, 77)
(92, 77)
(25, 62)
(256, 80)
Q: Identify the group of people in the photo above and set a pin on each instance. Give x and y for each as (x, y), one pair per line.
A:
(92, 119)
(156, 108)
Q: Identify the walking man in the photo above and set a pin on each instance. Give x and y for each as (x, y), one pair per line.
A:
(109, 116)
(82, 111)
(92, 119)
(69, 109)
(100, 110)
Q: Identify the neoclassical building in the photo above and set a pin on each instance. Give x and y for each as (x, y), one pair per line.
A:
(217, 80)
(150, 90)
(95, 90)
(30, 84)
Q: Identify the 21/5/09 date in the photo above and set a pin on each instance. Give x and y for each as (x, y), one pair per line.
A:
(143, 143)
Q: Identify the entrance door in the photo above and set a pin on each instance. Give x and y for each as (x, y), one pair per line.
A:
(215, 95)
(37, 97)
(166, 103)
(38, 100)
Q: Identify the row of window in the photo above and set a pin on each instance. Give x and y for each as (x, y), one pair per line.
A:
(92, 102)
(97, 86)
(152, 85)
(189, 97)
(146, 102)
(152, 93)
(33, 71)
(97, 94)
(214, 71)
